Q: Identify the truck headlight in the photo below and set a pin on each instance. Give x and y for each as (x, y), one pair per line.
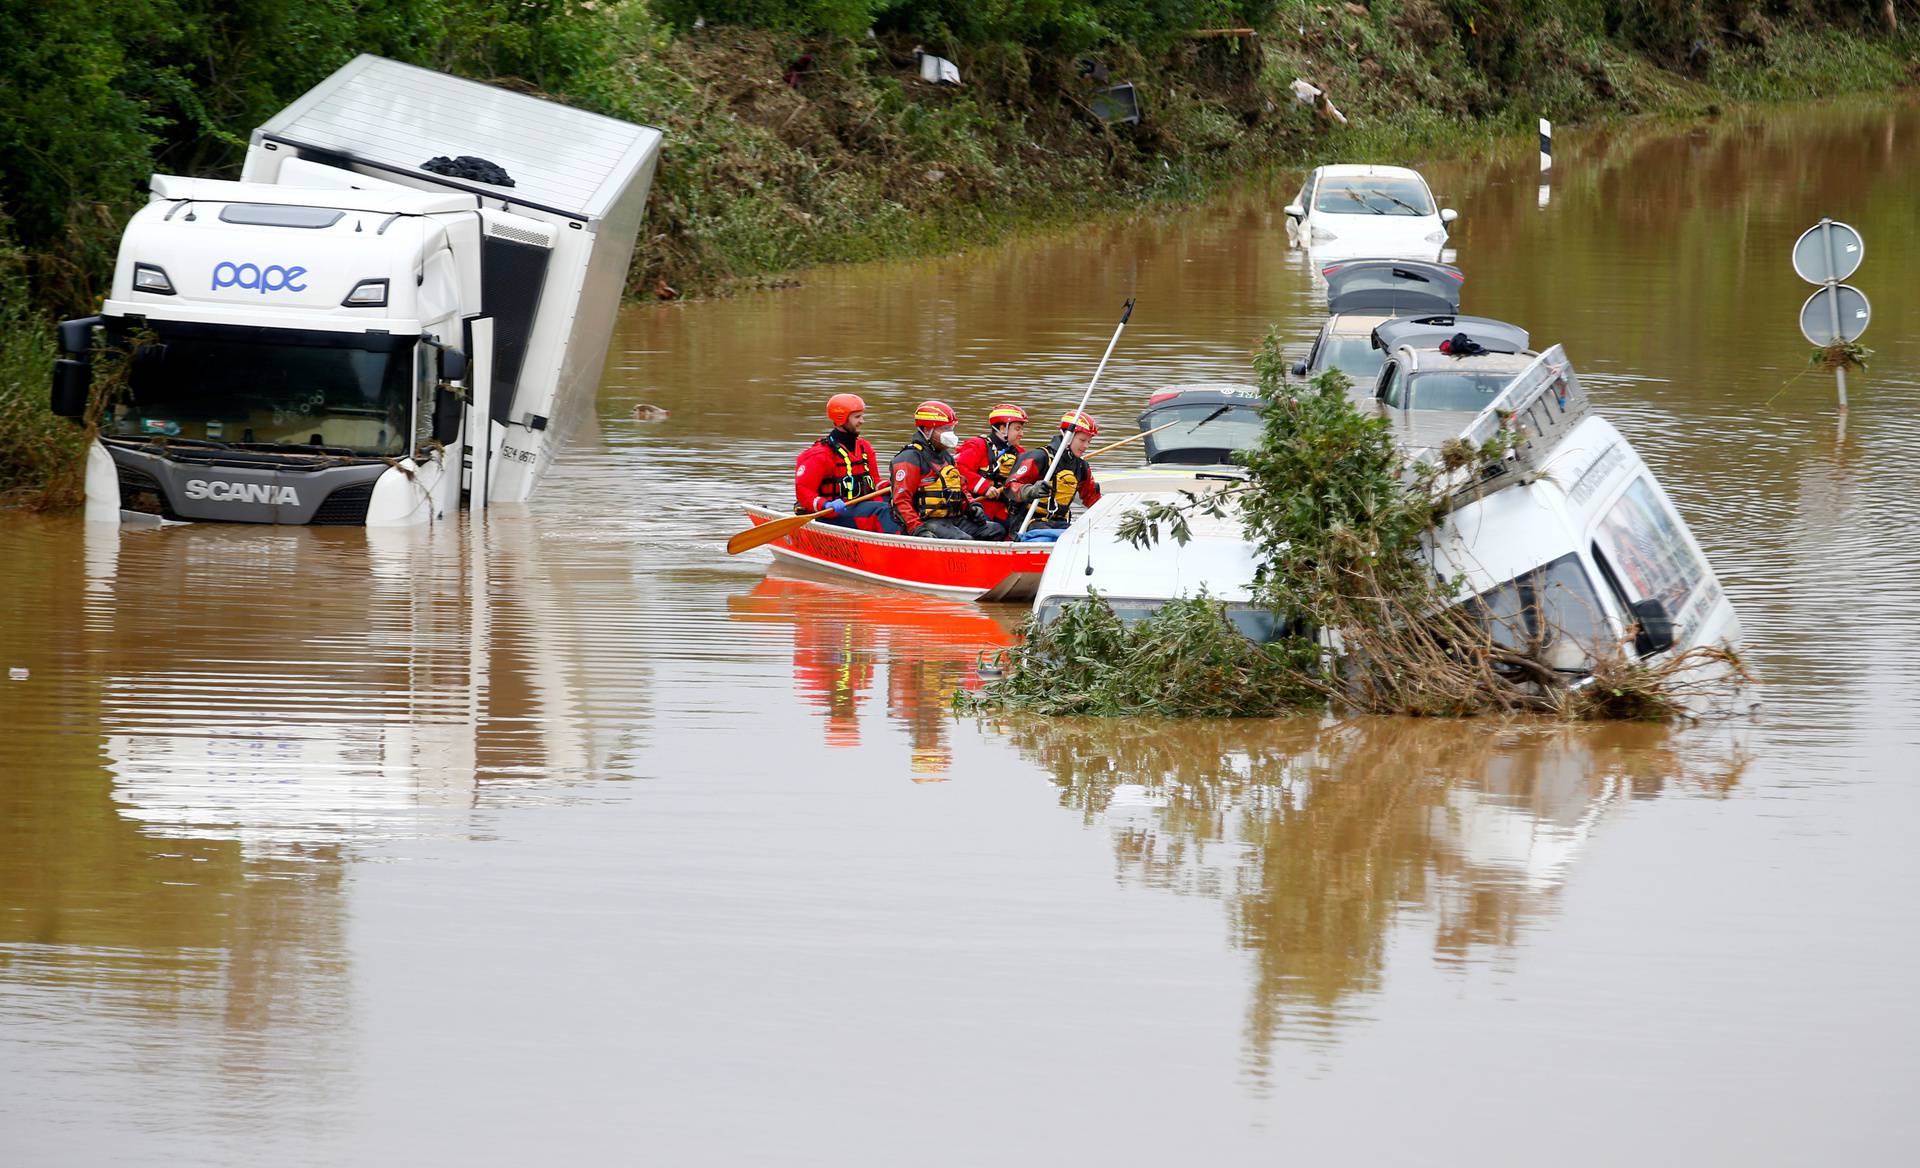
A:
(1322, 235)
(151, 278)
(367, 294)
(1437, 237)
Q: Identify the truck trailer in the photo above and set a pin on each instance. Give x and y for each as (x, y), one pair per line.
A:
(403, 303)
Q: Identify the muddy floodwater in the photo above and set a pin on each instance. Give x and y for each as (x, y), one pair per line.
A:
(574, 840)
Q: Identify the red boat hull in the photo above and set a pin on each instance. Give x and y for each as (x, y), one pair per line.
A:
(970, 569)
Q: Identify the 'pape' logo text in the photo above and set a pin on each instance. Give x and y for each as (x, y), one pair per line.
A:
(272, 278)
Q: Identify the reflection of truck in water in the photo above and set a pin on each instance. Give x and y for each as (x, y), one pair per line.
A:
(319, 341)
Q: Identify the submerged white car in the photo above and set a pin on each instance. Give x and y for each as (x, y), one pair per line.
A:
(1384, 211)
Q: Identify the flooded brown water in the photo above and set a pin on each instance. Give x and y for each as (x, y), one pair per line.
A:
(585, 842)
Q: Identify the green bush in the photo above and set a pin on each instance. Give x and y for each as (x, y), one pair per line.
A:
(1063, 26)
(1186, 660)
(841, 17)
(39, 453)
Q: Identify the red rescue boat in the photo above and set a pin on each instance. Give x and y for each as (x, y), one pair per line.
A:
(975, 570)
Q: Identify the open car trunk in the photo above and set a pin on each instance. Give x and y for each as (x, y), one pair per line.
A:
(1402, 287)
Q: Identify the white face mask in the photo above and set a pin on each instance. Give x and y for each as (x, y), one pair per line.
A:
(949, 439)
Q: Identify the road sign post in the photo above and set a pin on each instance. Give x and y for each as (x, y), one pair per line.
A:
(1825, 254)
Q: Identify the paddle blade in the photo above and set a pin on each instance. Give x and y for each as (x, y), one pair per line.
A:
(767, 532)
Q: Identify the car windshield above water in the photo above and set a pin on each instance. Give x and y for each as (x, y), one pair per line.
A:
(1201, 428)
(1373, 195)
(1354, 356)
(1446, 389)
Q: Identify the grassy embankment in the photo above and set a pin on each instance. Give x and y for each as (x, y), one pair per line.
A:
(789, 150)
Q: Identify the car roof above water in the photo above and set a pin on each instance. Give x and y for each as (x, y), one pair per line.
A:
(1367, 170)
(1426, 332)
(1422, 358)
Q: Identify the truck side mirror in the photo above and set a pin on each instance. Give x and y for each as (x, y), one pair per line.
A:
(1656, 627)
(1299, 368)
(1296, 211)
(1448, 215)
(453, 364)
(76, 335)
(447, 405)
(72, 385)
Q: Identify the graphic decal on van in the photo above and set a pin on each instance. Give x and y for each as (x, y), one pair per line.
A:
(1643, 541)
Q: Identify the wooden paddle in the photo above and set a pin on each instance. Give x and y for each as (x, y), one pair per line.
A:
(773, 529)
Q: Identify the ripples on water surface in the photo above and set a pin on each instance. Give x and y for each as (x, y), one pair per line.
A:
(325, 846)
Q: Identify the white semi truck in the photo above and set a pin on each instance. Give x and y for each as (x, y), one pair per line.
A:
(404, 302)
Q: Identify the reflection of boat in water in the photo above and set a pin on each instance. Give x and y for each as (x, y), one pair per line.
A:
(971, 569)
(846, 636)
(1318, 839)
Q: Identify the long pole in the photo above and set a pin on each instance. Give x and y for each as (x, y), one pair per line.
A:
(1833, 305)
(1054, 463)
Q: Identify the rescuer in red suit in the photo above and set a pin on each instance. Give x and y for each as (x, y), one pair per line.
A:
(986, 460)
(1071, 476)
(840, 467)
(929, 497)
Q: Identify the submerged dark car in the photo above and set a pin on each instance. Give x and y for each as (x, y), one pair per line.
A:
(1201, 424)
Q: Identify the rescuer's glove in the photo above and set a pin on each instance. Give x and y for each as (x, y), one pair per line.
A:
(837, 506)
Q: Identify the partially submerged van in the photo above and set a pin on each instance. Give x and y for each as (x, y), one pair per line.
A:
(1571, 545)
(1567, 548)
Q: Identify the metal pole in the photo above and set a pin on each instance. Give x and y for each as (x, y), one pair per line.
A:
(1058, 451)
(1833, 304)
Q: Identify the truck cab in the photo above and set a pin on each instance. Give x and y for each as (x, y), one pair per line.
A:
(284, 347)
(357, 332)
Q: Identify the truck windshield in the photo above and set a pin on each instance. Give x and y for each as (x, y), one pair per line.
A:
(350, 392)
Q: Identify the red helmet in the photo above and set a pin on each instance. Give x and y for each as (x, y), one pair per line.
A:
(843, 405)
(1002, 414)
(1079, 422)
(931, 415)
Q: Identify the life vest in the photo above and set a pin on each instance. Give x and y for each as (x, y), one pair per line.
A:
(942, 493)
(1057, 494)
(852, 472)
(1001, 457)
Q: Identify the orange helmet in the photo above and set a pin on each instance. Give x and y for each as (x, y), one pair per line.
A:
(1002, 414)
(843, 405)
(1079, 422)
(931, 415)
